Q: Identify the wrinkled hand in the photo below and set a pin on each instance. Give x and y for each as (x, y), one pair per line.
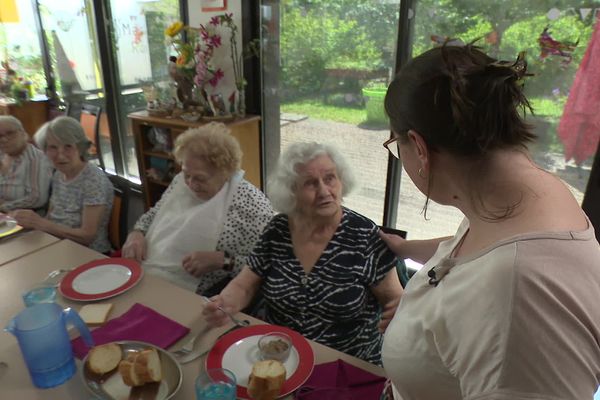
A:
(215, 317)
(135, 246)
(199, 263)
(394, 242)
(389, 310)
(29, 219)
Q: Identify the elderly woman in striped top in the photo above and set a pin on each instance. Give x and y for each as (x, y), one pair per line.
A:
(322, 268)
(25, 172)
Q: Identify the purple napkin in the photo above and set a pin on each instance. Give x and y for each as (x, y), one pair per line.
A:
(138, 323)
(338, 380)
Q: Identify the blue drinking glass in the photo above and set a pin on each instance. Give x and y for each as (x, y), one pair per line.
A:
(216, 384)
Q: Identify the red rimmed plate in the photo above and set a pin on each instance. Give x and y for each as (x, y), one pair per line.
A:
(238, 351)
(100, 279)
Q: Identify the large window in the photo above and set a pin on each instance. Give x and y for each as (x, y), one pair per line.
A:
(328, 63)
(336, 61)
(20, 45)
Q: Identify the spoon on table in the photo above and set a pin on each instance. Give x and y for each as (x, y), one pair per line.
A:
(231, 317)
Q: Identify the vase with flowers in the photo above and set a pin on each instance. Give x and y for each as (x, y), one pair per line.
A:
(237, 98)
(192, 67)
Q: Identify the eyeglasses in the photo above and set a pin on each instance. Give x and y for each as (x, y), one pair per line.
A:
(395, 150)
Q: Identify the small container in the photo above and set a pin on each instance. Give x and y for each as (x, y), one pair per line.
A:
(275, 346)
(39, 294)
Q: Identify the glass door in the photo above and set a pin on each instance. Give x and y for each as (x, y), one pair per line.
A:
(138, 45)
(326, 67)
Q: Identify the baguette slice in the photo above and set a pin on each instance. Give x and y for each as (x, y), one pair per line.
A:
(147, 366)
(127, 371)
(266, 379)
(104, 358)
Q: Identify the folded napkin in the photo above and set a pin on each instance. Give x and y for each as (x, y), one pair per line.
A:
(138, 323)
(338, 380)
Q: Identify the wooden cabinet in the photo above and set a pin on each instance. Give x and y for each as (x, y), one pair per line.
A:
(154, 138)
(32, 114)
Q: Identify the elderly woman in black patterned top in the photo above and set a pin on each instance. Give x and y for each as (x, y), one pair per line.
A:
(322, 268)
(200, 232)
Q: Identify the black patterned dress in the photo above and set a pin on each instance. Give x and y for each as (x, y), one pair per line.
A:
(333, 304)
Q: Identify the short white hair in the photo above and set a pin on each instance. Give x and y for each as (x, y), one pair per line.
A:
(66, 130)
(281, 185)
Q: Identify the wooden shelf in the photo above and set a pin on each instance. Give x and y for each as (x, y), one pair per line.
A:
(246, 130)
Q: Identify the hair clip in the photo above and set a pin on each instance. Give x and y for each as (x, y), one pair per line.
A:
(519, 67)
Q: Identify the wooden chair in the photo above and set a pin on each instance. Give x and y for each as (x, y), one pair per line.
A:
(90, 121)
(117, 225)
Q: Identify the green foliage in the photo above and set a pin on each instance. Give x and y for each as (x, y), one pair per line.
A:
(549, 107)
(319, 35)
(317, 110)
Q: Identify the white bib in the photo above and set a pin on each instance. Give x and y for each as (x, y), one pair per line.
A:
(184, 224)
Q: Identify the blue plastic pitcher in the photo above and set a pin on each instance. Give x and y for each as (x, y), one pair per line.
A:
(42, 334)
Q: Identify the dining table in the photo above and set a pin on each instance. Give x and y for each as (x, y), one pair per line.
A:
(174, 302)
(23, 243)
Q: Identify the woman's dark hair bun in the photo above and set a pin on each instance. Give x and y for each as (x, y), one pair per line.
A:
(461, 100)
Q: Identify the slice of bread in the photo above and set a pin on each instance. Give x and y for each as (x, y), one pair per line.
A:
(147, 366)
(104, 358)
(141, 367)
(127, 371)
(266, 379)
(94, 314)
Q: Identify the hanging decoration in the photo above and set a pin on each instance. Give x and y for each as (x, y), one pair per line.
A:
(552, 47)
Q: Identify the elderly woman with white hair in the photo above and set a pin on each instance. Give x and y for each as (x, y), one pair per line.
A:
(322, 268)
(82, 194)
(200, 232)
(25, 172)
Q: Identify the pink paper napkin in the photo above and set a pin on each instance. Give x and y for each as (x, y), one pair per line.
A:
(139, 323)
(338, 380)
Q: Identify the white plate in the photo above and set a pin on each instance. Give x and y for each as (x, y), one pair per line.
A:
(101, 279)
(240, 357)
(8, 226)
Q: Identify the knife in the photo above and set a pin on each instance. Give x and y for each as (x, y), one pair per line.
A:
(199, 353)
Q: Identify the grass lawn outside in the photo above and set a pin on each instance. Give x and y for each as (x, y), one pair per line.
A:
(317, 110)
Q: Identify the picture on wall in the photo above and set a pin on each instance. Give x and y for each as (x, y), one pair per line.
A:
(213, 5)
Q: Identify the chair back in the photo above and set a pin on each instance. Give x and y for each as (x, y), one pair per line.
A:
(403, 273)
(117, 225)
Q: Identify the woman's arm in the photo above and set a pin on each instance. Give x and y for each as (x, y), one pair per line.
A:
(85, 234)
(417, 250)
(388, 292)
(35, 174)
(236, 296)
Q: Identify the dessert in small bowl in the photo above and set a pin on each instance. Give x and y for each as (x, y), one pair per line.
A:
(275, 346)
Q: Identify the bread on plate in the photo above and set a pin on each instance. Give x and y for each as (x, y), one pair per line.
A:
(266, 379)
(141, 367)
(104, 358)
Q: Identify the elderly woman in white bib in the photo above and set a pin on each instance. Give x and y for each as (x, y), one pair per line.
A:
(200, 232)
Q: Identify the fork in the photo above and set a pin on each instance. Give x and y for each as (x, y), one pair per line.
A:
(188, 346)
(54, 274)
(233, 319)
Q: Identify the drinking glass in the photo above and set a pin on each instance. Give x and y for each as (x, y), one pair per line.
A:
(39, 294)
(216, 384)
